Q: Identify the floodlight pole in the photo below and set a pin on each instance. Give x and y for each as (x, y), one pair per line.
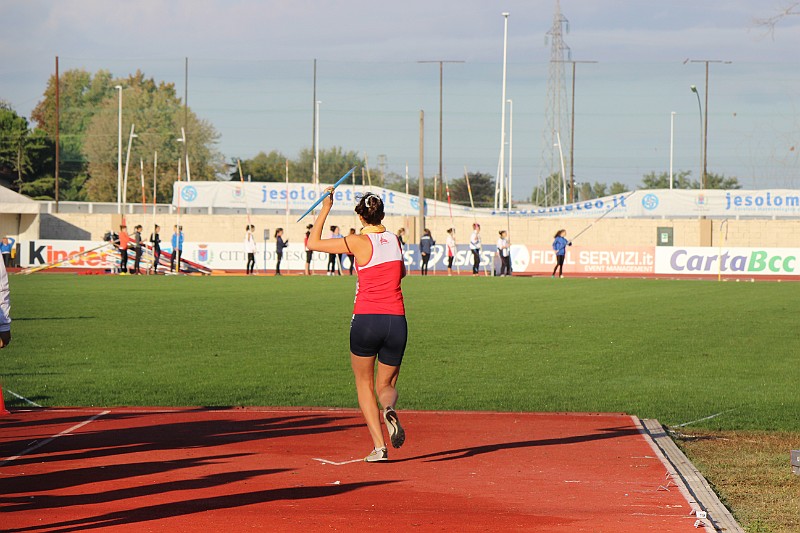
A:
(705, 120)
(572, 137)
(441, 82)
(671, 145)
(700, 108)
(421, 191)
(498, 186)
(316, 143)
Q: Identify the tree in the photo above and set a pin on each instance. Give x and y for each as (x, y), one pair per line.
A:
(80, 97)
(157, 115)
(333, 164)
(263, 167)
(482, 186)
(14, 159)
(719, 181)
(26, 157)
(617, 188)
(681, 180)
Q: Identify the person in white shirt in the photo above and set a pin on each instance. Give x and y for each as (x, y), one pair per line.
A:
(504, 249)
(475, 247)
(250, 248)
(451, 249)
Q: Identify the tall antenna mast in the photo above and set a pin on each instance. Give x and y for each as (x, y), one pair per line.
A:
(556, 113)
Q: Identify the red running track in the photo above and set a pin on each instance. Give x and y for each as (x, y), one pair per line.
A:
(126, 469)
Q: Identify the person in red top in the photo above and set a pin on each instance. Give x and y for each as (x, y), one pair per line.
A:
(378, 328)
(124, 241)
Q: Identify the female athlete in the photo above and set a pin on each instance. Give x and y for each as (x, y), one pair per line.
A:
(378, 328)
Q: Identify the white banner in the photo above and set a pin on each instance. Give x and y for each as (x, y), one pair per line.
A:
(297, 197)
(657, 203)
(693, 261)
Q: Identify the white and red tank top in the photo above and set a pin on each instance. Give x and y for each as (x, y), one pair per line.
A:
(378, 288)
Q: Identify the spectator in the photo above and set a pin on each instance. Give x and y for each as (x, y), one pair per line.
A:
(124, 241)
(425, 245)
(504, 249)
(332, 258)
(451, 249)
(155, 240)
(309, 253)
(280, 244)
(250, 249)
(137, 239)
(401, 234)
(475, 247)
(350, 256)
(5, 247)
(177, 248)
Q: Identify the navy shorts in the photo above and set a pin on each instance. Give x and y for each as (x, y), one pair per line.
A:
(381, 335)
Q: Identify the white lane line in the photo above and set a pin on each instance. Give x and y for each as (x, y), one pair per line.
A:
(715, 415)
(326, 462)
(23, 398)
(38, 445)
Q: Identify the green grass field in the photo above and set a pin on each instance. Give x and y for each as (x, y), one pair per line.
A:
(677, 351)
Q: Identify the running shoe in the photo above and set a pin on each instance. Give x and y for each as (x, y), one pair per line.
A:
(396, 432)
(377, 455)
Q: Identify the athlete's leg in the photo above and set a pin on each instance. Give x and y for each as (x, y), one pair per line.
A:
(364, 372)
(386, 382)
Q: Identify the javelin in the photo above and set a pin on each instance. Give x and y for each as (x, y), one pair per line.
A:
(603, 215)
(319, 201)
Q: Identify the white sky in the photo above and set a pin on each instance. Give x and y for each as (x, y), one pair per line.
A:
(250, 74)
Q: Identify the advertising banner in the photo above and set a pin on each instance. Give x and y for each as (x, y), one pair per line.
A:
(631, 261)
(694, 261)
(42, 252)
(297, 197)
(584, 260)
(231, 256)
(657, 203)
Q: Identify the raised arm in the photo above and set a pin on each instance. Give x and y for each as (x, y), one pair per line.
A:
(315, 240)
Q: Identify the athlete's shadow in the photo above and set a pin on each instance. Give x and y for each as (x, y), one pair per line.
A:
(464, 453)
(198, 506)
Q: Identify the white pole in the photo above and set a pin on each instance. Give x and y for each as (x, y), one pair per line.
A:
(406, 177)
(510, 152)
(119, 152)
(498, 194)
(127, 161)
(155, 194)
(563, 171)
(671, 144)
(186, 147)
(141, 178)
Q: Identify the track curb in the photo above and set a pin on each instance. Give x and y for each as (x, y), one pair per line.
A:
(685, 475)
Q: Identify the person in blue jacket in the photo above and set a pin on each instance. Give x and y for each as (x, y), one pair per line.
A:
(177, 248)
(425, 245)
(560, 246)
(5, 247)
